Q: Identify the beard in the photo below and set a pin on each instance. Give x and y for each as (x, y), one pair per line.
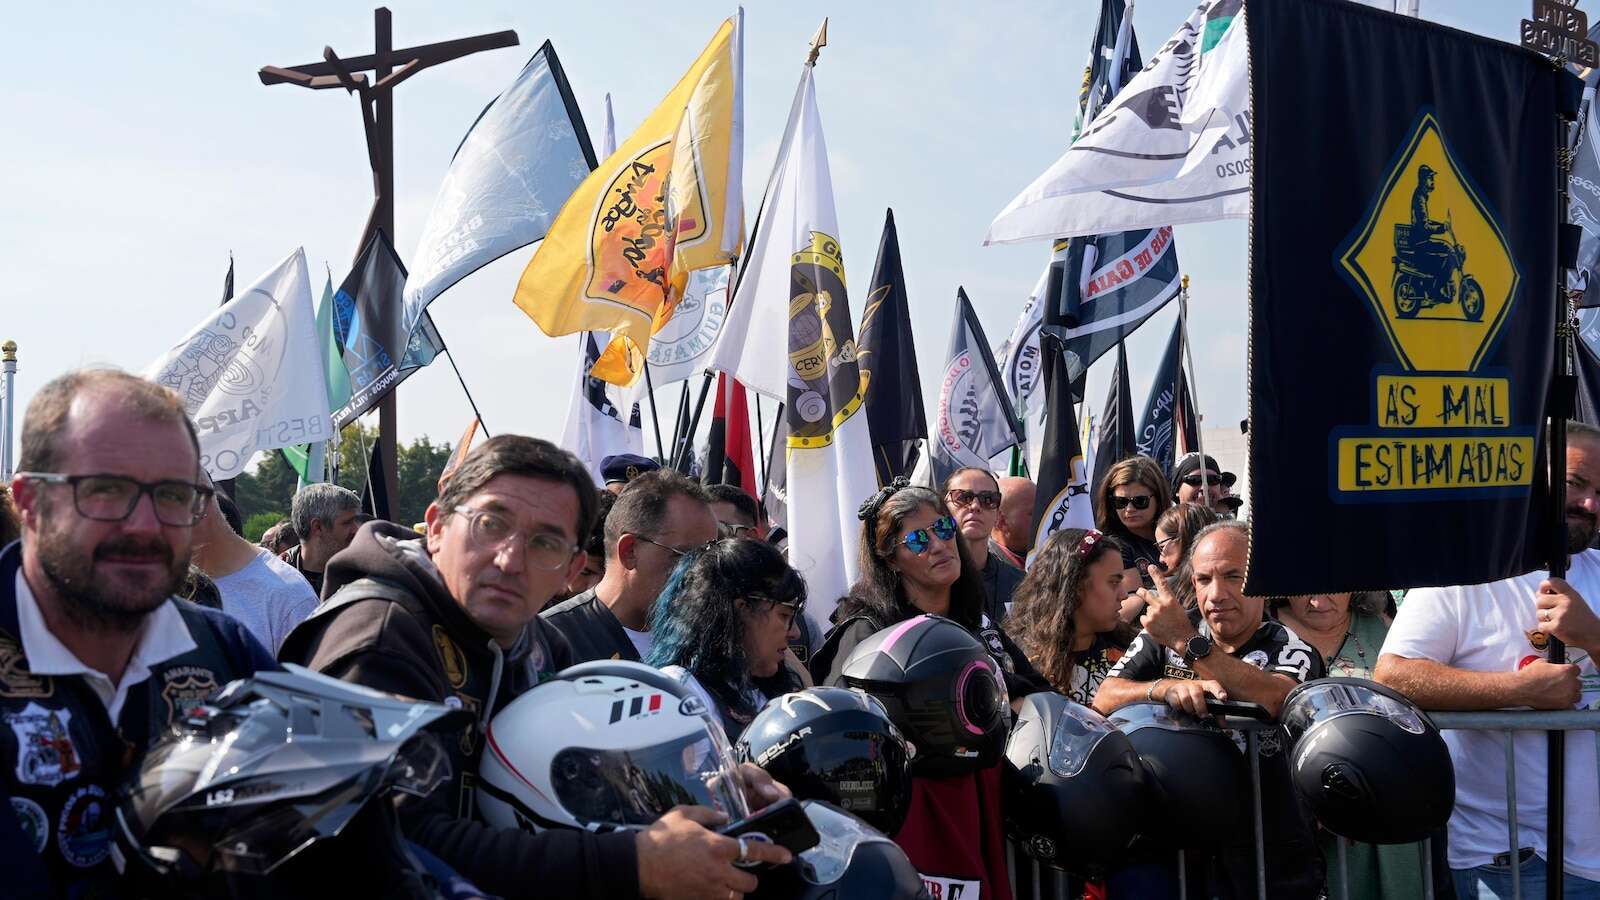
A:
(1580, 536)
(94, 600)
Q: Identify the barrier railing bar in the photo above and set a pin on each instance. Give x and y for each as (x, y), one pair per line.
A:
(1427, 869)
(1253, 746)
(1518, 719)
(1344, 867)
(1511, 807)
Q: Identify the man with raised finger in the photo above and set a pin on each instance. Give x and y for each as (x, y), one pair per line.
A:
(1225, 648)
(1487, 647)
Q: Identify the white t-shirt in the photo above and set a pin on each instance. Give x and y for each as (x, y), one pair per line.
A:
(1484, 628)
(642, 642)
(269, 596)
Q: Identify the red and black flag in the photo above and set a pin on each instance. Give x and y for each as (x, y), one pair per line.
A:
(729, 459)
(888, 357)
(1402, 301)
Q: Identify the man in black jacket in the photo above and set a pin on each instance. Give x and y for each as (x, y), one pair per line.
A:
(657, 519)
(451, 618)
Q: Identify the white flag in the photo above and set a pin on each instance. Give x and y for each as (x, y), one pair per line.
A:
(596, 427)
(682, 348)
(1172, 148)
(790, 336)
(251, 373)
(1022, 370)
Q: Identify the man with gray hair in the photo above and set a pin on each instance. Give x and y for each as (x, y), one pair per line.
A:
(324, 516)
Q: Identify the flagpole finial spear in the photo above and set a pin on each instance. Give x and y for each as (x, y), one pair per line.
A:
(1185, 284)
(818, 41)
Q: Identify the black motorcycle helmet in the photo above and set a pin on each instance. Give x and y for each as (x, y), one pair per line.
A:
(852, 862)
(837, 745)
(941, 688)
(282, 785)
(1368, 762)
(1075, 790)
(1195, 773)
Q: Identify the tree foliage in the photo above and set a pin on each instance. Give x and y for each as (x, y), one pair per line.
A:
(270, 488)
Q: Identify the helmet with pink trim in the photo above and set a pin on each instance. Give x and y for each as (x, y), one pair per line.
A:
(941, 688)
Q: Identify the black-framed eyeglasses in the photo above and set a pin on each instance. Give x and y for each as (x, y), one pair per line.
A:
(674, 550)
(1162, 544)
(492, 532)
(1140, 502)
(112, 498)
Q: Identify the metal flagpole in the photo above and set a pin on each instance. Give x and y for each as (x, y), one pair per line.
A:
(8, 365)
(650, 388)
(1194, 390)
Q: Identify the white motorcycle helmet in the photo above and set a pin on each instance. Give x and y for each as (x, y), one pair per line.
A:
(605, 745)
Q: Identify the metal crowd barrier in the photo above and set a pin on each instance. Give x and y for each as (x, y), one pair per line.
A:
(1031, 881)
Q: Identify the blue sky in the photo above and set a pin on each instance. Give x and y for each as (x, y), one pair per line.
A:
(140, 149)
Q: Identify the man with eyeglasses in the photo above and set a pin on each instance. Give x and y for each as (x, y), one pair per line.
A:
(657, 519)
(451, 618)
(97, 658)
(974, 497)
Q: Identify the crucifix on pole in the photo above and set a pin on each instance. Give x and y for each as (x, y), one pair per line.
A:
(389, 67)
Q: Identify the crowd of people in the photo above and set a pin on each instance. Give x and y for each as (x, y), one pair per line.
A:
(128, 596)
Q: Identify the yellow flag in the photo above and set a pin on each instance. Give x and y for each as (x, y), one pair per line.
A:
(667, 202)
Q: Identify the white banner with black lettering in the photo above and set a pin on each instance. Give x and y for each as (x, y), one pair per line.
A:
(251, 373)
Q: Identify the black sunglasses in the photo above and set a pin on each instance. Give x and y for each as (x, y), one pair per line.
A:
(1140, 502)
(1194, 480)
(960, 497)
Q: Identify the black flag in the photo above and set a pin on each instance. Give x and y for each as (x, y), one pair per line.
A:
(1062, 500)
(974, 421)
(1168, 428)
(227, 282)
(1117, 438)
(1402, 279)
(375, 496)
(889, 357)
(378, 352)
(1587, 366)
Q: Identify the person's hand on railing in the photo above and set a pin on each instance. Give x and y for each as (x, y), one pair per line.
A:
(1565, 614)
(1545, 685)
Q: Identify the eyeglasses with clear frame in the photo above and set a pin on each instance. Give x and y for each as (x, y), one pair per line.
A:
(492, 531)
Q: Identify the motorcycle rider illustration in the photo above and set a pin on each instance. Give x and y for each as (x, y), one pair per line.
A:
(1429, 262)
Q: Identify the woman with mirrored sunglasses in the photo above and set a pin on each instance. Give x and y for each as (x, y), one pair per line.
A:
(722, 626)
(913, 561)
(1127, 504)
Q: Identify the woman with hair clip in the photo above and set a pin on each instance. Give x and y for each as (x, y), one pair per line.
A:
(722, 626)
(1065, 615)
(1127, 503)
(913, 561)
(1175, 533)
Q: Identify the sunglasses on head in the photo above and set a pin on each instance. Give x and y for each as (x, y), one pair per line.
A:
(986, 499)
(918, 542)
(1140, 502)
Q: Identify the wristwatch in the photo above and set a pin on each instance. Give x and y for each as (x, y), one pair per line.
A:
(1197, 647)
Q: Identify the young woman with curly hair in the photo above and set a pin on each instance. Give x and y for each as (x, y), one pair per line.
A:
(1065, 615)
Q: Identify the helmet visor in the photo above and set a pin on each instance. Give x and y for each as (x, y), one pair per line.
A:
(840, 833)
(1078, 731)
(1330, 698)
(635, 787)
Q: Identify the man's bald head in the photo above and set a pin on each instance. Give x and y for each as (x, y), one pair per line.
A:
(1014, 531)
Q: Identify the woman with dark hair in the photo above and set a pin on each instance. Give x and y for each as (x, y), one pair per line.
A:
(723, 623)
(1133, 494)
(1065, 615)
(913, 561)
(1175, 533)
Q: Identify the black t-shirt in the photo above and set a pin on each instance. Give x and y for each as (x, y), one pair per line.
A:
(1092, 666)
(1273, 648)
(1137, 553)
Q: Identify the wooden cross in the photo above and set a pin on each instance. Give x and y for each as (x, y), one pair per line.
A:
(389, 67)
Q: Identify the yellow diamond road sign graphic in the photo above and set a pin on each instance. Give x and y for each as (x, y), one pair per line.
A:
(1431, 260)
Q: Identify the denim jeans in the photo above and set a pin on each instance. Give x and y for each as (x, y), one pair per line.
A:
(1494, 883)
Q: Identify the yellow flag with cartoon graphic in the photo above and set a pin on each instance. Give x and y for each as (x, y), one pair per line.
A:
(667, 202)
